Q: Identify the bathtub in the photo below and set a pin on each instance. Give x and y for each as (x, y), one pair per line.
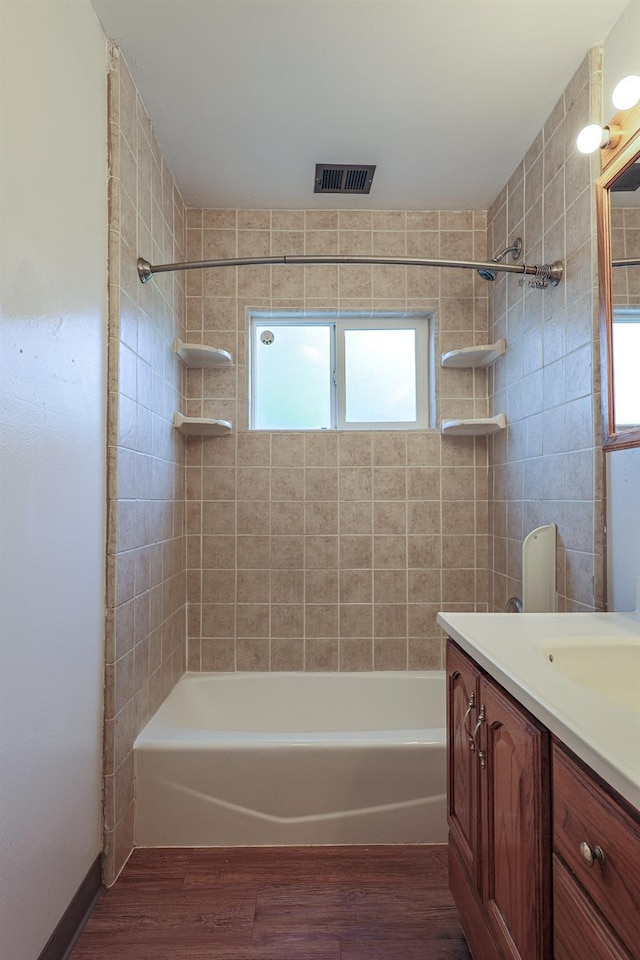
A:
(294, 758)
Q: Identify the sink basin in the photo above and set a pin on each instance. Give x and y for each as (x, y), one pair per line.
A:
(608, 666)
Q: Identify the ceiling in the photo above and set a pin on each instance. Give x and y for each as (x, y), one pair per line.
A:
(445, 96)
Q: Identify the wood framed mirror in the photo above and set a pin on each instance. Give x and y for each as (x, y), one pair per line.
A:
(618, 219)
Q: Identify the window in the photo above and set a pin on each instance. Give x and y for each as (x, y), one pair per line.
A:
(626, 350)
(338, 371)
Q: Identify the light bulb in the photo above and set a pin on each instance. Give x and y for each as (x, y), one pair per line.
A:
(626, 93)
(591, 138)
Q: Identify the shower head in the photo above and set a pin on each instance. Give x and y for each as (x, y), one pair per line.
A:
(515, 250)
(487, 274)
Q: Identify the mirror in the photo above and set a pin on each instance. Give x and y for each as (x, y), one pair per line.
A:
(618, 214)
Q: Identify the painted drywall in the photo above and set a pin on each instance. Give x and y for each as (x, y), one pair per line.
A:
(623, 525)
(623, 466)
(52, 472)
(620, 54)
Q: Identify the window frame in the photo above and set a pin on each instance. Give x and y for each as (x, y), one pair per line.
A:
(339, 322)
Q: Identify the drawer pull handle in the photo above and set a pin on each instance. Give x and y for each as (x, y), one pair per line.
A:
(477, 727)
(471, 704)
(591, 854)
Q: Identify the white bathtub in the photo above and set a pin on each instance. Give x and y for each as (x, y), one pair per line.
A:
(294, 758)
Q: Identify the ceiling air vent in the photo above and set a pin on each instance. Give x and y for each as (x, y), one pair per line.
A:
(343, 178)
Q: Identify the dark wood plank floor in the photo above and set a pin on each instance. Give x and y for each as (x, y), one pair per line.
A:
(278, 903)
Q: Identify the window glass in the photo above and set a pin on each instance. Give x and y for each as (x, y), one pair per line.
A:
(292, 376)
(380, 376)
(626, 385)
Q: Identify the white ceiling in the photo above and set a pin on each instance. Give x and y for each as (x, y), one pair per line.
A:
(445, 96)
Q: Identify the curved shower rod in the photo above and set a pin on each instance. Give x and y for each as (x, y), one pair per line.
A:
(548, 274)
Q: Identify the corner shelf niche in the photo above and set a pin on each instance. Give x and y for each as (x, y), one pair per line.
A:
(480, 356)
(475, 427)
(200, 355)
(201, 426)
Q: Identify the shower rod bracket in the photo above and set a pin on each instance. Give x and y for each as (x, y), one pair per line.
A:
(545, 275)
(145, 270)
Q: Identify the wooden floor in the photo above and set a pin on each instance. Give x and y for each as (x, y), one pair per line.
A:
(278, 903)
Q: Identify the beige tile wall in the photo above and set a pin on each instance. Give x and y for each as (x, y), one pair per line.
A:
(331, 551)
(625, 242)
(548, 466)
(145, 645)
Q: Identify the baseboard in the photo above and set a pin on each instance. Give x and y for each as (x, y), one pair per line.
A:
(67, 931)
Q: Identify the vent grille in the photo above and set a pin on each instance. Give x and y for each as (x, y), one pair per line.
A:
(629, 181)
(343, 178)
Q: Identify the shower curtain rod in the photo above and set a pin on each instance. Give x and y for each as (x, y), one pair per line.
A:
(548, 274)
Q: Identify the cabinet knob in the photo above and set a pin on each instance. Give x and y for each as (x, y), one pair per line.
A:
(591, 854)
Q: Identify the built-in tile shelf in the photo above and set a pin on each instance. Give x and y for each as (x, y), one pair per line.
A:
(200, 355)
(475, 427)
(201, 426)
(480, 356)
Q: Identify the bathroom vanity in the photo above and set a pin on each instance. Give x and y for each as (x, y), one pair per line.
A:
(544, 784)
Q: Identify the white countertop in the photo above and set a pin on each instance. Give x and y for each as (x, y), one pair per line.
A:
(603, 734)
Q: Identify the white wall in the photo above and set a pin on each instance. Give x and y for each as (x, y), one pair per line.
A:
(623, 466)
(52, 470)
(620, 54)
(623, 522)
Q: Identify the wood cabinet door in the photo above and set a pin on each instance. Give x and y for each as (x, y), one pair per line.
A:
(463, 809)
(515, 835)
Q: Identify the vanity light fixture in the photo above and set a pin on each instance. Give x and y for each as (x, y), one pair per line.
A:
(594, 137)
(626, 93)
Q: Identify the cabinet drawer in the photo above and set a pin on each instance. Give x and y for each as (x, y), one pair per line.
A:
(584, 813)
(578, 928)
